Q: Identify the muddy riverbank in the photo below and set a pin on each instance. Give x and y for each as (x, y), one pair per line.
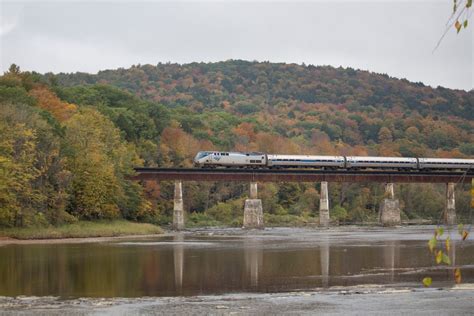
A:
(366, 300)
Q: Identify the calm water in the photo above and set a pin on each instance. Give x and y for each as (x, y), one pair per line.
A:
(225, 261)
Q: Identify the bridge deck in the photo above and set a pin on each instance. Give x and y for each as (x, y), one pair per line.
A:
(299, 175)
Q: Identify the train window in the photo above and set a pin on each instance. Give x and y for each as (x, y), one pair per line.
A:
(252, 161)
(258, 161)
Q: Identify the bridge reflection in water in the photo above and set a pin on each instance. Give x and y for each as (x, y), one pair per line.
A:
(184, 265)
(324, 259)
(253, 253)
(178, 260)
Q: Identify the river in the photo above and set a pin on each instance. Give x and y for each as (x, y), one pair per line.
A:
(220, 262)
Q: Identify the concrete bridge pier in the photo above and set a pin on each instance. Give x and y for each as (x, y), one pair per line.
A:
(450, 210)
(253, 211)
(389, 210)
(324, 219)
(178, 209)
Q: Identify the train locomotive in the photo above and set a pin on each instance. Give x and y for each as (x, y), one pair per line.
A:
(213, 159)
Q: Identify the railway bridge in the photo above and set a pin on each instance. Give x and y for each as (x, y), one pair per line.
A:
(389, 211)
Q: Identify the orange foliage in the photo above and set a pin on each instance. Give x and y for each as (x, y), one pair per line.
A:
(321, 144)
(389, 150)
(271, 143)
(49, 101)
(455, 153)
(179, 148)
(245, 133)
(152, 191)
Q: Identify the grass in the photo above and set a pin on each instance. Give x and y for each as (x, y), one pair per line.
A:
(273, 220)
(82, 229)
(195, 220)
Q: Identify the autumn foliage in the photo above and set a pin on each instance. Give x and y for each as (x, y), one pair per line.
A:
(79, 135)
(48, 101)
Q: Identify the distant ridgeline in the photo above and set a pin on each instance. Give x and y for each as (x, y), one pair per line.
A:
(73, 138)
(268, 85)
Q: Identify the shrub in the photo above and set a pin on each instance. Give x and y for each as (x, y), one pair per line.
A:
(338, 213)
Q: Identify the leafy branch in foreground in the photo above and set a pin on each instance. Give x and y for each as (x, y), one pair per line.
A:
(435, 245)
(459, 18)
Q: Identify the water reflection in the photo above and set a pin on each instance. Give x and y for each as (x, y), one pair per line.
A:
(253, 253)
(190, 265)
(324, 259)
(391, 257)
(178, 259)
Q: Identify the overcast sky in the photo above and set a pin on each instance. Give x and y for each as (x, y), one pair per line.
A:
(393, 37)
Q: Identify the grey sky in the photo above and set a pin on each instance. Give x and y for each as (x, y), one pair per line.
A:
(393, 37)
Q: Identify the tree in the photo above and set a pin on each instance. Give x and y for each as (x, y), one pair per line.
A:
(48, 101)
(385, 135)
(98, 160)
(32, 167)
(14, 69)
(17, 171)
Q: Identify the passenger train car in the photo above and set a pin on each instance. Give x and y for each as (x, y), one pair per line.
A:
(212, 159)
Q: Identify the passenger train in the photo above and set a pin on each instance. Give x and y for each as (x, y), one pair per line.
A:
(213, 159)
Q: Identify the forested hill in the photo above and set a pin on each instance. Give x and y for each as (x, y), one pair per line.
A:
(69, 141)
(284, 108)
(268, 85)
